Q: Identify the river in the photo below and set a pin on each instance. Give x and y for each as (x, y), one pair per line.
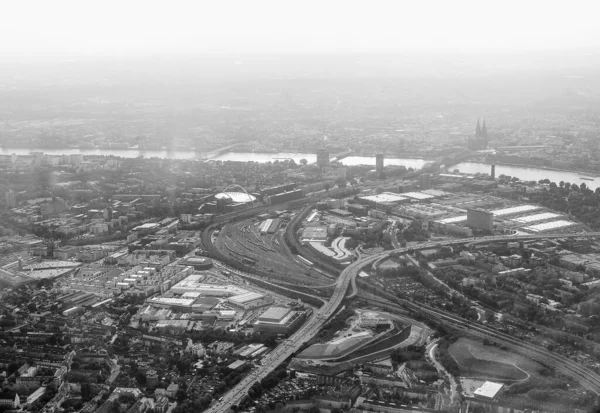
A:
(529, 174)
(134, 153)
(370, 160)
(521, 172)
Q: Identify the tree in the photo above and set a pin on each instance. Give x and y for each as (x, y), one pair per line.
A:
(303, 162)
(561, 184)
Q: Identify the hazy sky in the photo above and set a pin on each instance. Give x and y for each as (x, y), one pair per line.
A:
(133, 26)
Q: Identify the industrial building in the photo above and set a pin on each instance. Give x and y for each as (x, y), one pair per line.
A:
(384, 198)
(515, 210)
(559, 226)
(266, 192)
(279, 320)
(536, 217)
(488, 391)
(285, 196)
(269, 226)
(314, 233)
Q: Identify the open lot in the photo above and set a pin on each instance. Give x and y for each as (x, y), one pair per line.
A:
(489, 362)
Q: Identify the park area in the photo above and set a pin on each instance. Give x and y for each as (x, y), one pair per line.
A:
(488, 362)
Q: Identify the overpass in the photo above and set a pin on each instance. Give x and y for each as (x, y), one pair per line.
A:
(586, 377)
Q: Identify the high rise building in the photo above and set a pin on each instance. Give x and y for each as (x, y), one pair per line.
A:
(11, 199)
(107, 214)
(379, 163)
(425, 181)
(480, 219)
(151, 379)
(493, 171)
(322, 158)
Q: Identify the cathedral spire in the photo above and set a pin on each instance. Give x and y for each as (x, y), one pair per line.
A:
(484, 133)
(478, 130)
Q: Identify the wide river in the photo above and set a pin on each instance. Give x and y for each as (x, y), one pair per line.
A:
(523, 173)
(529, 174)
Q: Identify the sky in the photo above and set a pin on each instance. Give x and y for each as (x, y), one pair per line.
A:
(123, 27)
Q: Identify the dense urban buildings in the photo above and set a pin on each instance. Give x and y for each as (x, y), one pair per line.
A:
(244, 236)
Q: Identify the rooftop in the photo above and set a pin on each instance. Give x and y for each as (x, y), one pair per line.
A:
(384, 197)
(548, 226)
(489, 389)
(246, 297)
(186, 302)
(418, 195)
(274, 313)
(236, 197)
(514, 210)
(536, 217)
(452, 220)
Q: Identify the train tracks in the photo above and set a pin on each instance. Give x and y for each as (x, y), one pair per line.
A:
(586, 377)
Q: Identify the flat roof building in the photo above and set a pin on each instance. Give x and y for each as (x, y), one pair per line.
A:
(536, 217)
(453, 220)
(418, 195)
(385, 197)
(274, 314)
(489, 390)
(279, 320)
(552, 226)
(515, 210)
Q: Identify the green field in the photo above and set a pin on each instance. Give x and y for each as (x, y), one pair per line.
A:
(490, 362)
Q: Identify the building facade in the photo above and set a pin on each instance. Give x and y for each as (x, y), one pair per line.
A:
(480, 219)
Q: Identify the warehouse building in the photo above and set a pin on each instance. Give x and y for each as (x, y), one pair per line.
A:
(488, 391)
(560, 226)
(285, 197)
(279, 320)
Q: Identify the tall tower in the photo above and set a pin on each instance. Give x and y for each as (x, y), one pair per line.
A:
(484, 134)
(379, 163)
(478, 130)
(322, 158)
(401, 144)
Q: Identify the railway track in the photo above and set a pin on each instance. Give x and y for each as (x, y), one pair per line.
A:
(586, 377)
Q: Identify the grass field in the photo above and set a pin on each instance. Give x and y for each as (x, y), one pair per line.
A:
(490, 362)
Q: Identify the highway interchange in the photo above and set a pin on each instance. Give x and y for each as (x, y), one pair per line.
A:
(586, 377)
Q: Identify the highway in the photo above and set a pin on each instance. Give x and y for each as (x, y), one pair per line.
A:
(291, 345)
(586, 377)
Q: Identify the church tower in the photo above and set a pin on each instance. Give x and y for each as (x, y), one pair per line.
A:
(478, 130)
(484, 133)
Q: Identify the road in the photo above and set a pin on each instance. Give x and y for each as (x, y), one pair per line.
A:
(586, 377)
(454, 396)
(291, 345)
